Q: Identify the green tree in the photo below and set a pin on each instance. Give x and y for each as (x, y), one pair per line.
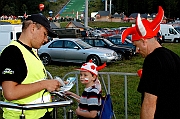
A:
(96, 5)
(24, 8)
(171, 5)
(9, 10)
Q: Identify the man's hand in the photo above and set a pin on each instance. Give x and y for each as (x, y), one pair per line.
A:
(15, 91)
(52, 85)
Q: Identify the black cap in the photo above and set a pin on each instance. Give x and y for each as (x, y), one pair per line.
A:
(41, 19)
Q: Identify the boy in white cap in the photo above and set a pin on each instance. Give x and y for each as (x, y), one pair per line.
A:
(90, 101)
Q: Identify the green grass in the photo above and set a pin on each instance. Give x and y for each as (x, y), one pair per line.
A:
(96, 24)
(117, 82)
(108, 24)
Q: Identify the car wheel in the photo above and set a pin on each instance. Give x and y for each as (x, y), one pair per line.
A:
(45, 58)
(128, 57)
(176, 41)
(95, 60)
(120, 56)
(134, 52)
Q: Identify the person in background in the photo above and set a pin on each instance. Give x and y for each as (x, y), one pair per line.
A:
(23, 76)
(90, 100)
(160, 79)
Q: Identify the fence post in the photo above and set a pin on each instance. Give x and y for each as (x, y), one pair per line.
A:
(109, 86)
(125, 95)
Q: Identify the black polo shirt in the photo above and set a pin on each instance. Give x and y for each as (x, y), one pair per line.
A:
(12, 64)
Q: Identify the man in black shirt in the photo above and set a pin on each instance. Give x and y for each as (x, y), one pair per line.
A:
(160, 80)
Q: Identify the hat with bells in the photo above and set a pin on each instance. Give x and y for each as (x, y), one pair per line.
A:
(91, 67)
(143, 28)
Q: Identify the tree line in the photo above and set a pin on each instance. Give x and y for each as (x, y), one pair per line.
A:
(171, 7)
(19, 7)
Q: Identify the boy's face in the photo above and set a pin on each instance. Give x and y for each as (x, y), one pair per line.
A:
(87, 78)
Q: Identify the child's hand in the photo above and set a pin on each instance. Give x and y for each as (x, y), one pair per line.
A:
(78, 110)
(67, 93)
(73, 95)
(66, 82)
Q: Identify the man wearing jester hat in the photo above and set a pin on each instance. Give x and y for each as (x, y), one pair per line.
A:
(90, 101)
(160, 79)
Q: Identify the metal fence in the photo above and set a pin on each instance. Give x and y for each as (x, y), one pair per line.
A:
(108, 87)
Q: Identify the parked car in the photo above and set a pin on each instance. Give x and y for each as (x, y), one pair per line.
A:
(159, 37)
(97, 33)
(122, 52)
(74, 50)
(177, 28)
(169, 33)
(116, 39)
(122, 28)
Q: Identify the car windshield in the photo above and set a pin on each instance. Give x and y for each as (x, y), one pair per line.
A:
(108, 42)
(129, 37)
(83, 44)
(177, 29)
(128, 41)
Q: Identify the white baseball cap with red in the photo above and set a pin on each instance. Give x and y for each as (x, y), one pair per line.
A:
(91, 67)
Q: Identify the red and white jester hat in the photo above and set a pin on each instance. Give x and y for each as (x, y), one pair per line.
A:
(144, 28)
(91, 67)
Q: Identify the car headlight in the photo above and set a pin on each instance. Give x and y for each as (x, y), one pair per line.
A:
(130, 50)
(109, 54)
(115, 54)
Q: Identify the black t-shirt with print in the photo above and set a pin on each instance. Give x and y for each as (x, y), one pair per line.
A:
(161, 77)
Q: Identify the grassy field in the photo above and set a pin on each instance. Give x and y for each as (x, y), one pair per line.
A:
(97, 24)
(117, 82)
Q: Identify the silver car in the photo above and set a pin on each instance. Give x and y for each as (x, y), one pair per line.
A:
(74, 50)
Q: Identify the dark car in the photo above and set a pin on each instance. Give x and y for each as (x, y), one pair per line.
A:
(159, 37)
(123, 52)
(116, 39)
